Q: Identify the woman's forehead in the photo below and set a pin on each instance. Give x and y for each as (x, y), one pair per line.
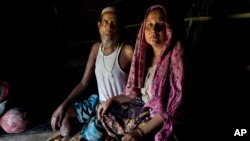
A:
(155, 14)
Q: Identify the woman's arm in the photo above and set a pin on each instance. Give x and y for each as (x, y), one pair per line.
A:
(150, 127)
(155, 123)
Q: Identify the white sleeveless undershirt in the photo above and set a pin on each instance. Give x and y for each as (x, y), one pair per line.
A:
(111, 79)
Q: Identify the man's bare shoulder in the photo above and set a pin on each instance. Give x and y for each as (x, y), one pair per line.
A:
(95, 47)
(128, 50)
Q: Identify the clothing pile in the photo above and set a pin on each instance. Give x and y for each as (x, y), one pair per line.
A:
(4, 91)
(12, 119)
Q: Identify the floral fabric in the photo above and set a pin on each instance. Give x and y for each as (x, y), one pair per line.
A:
(167, 81)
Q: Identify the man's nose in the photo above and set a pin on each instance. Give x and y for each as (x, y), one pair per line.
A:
(110, 26)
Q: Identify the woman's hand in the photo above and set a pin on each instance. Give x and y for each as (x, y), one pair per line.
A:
(134, 135)
(103, 108)
(57, 117)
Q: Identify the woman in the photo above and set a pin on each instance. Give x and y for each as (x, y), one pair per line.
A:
(155, 79)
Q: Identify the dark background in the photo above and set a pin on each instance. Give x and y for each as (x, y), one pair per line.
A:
(45, 46)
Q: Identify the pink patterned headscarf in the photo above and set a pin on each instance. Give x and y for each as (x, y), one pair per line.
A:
(167, 80)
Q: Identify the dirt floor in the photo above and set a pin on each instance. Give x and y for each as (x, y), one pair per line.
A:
(38, 132)
(43, 136)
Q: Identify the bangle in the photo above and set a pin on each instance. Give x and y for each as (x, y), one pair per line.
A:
(140, 131)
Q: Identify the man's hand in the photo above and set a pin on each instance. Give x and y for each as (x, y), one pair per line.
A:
(57, 118)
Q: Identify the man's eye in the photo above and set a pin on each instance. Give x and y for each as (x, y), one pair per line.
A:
(104, 23)
(115, 23)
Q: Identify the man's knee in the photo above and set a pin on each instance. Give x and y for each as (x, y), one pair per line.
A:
(68, 126)
(65, 131)
(70, 114)
(69, 129)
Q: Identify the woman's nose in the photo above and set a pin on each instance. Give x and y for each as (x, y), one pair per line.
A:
(157, 28)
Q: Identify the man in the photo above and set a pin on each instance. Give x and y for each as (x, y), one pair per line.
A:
(111, 61)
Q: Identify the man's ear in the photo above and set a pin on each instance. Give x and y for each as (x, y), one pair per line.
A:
(98, 24)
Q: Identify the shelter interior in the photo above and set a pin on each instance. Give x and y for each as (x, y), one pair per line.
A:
(45, 46)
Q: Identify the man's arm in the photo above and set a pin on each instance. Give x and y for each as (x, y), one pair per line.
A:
(80, 87)
(59, 113)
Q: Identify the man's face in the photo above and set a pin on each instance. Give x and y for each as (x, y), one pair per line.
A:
(108, 27)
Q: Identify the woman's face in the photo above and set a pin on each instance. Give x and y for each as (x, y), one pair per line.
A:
(155, 28)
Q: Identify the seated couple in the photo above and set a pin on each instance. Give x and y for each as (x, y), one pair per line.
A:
(141, 105)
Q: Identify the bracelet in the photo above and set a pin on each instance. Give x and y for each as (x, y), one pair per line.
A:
(140, 131)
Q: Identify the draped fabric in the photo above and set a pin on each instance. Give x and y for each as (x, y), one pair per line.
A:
(167, 81)
(4, 90)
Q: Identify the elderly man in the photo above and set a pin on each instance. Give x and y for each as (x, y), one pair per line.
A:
(110, 59)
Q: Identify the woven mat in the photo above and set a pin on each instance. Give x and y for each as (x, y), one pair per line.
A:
(57, 137)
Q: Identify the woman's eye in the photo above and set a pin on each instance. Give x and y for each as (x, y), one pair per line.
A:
(162, 25)
(149, 26)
